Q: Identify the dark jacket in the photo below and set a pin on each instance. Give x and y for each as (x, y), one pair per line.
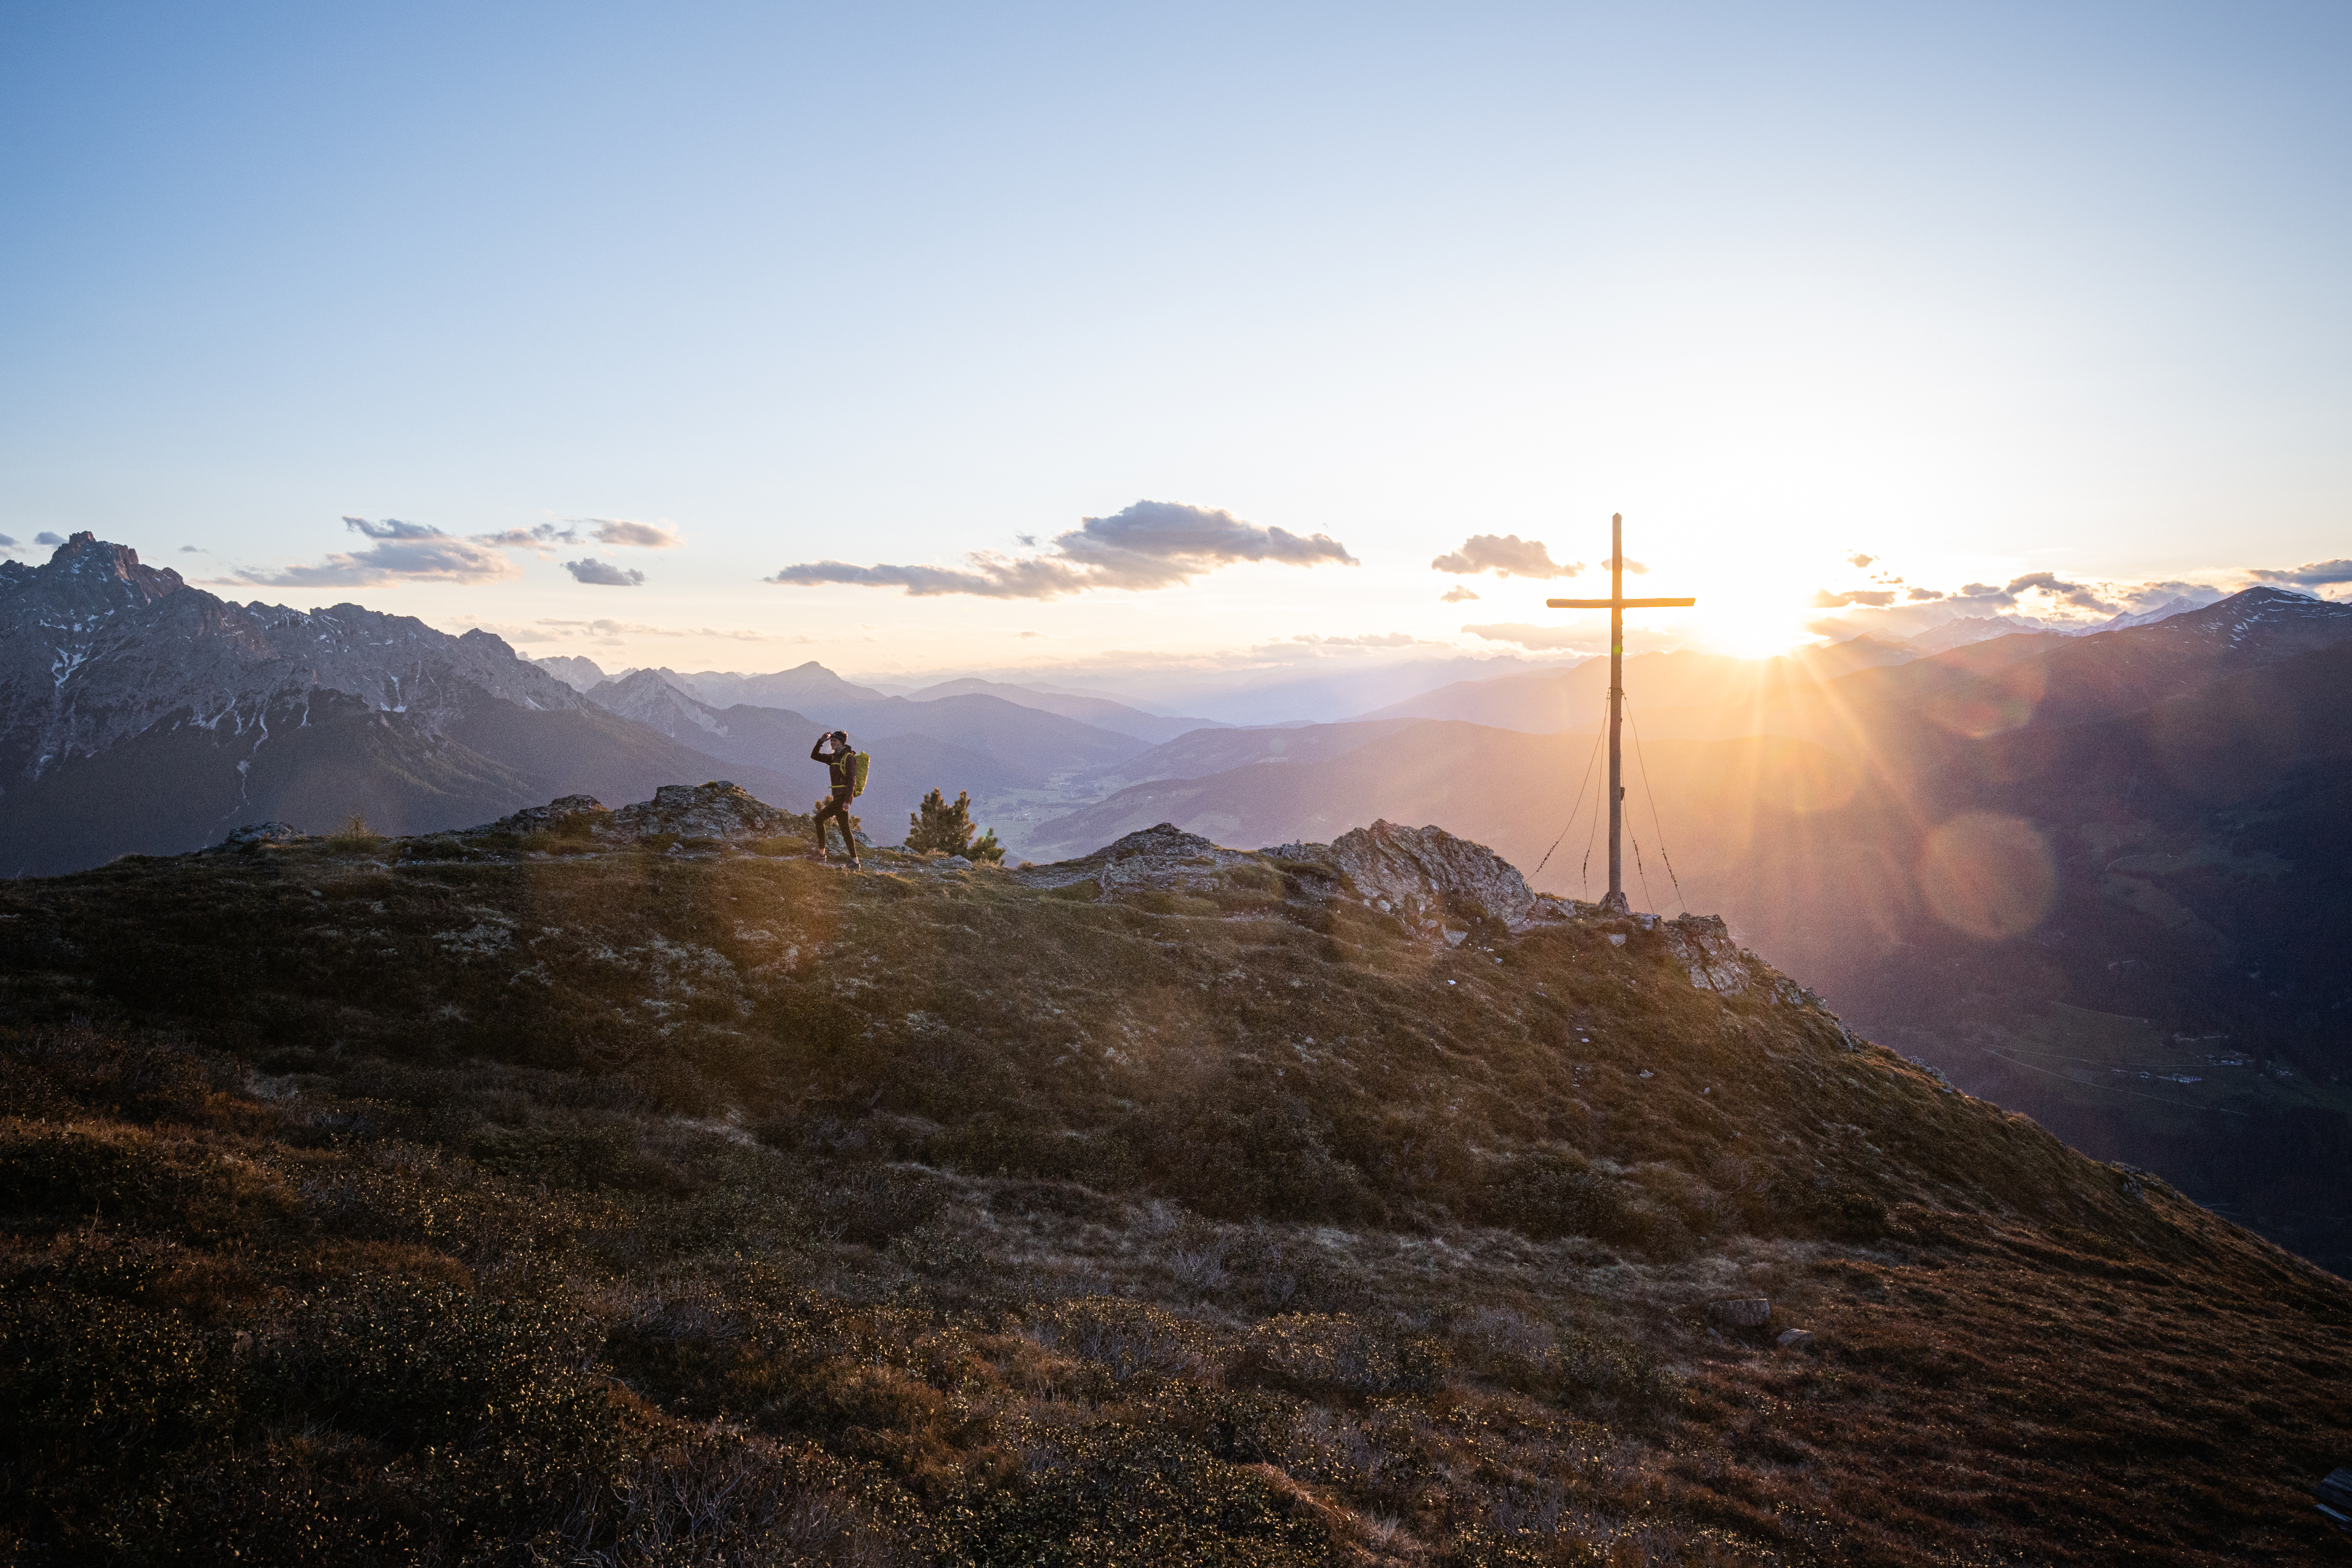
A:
(839, 763)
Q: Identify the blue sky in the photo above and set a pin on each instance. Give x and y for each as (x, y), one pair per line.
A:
(1982, 292)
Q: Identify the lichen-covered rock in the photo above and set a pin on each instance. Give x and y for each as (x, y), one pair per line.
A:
(1703, 945)
(549, 817)
(260, 833)
(718, 809)
(1163, 857)
(1421, 874)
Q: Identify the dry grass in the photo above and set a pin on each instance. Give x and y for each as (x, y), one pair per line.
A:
(662, 1207)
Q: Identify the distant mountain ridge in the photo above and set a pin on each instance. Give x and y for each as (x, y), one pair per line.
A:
(140, 713)
(1100, 711)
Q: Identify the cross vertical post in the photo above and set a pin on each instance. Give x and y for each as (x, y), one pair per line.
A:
(1617, 604)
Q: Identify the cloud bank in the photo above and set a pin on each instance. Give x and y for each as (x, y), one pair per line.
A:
(1506, 556)
(2313, 575)
(1151, 544)
(402, 551)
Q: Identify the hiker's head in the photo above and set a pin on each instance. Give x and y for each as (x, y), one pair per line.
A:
(841, 737)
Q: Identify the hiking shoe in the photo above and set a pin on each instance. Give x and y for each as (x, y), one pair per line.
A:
(855, 865)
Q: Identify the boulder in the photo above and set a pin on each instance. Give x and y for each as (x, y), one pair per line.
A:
(260, 833)
(1420, 874)
(1742, 1312)
(1163, 856)
(1703, 945)
(1795, 1339)
(718, 809)
(547, 818)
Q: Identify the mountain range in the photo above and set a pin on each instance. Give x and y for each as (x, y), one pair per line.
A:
(139, 713)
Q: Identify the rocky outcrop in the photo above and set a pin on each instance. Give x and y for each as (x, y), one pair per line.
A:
(552, 817)
(1164, 858)
(1702, 944)
(718, 810)
(256, 832)
(1435, 883)
(1423, 874)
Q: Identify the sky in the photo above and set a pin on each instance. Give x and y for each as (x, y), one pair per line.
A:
(1087, 343)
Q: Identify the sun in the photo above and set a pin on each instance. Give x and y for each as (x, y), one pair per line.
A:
(1749, 631)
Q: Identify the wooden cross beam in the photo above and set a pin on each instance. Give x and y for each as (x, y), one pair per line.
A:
(1617, 604)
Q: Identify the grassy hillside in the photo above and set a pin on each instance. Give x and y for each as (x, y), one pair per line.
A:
(430, 1201)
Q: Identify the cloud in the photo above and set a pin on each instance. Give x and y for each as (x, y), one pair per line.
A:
(190, 549)
(6, 543)
(402, 551)
(1374, 639)
(1877, 598)
(45, 538)
(1456, 594)
(1541, 638)
(1858, 560)
(2075, 593)
(2311, 574)
(1151, 544)
(541, 538)
(1923, 596)
(603, 574)
(633, 535)
(1026, 635)
(1506, 556)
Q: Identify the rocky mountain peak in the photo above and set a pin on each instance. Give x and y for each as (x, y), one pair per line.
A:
(87, 576)
(650, 697)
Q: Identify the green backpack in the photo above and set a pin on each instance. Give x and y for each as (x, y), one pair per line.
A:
(858, 763)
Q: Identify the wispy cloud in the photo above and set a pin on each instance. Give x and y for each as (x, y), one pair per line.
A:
(1539, 637)
(603, 574)
(1858, 560)
(1456, 594)
(1877, 597)
(1151, 544)
(402, 552)
(46, 537)
(543, 537)
(1506, 556)
(1367, 640)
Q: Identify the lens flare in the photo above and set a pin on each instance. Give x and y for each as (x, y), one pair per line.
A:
(1988, 876)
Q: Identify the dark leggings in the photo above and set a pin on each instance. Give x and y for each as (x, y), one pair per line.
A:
(837, 806)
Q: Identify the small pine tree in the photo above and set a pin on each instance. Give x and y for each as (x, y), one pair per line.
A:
(948, 828)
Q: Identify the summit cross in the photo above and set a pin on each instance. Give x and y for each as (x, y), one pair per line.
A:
(1617, 604)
